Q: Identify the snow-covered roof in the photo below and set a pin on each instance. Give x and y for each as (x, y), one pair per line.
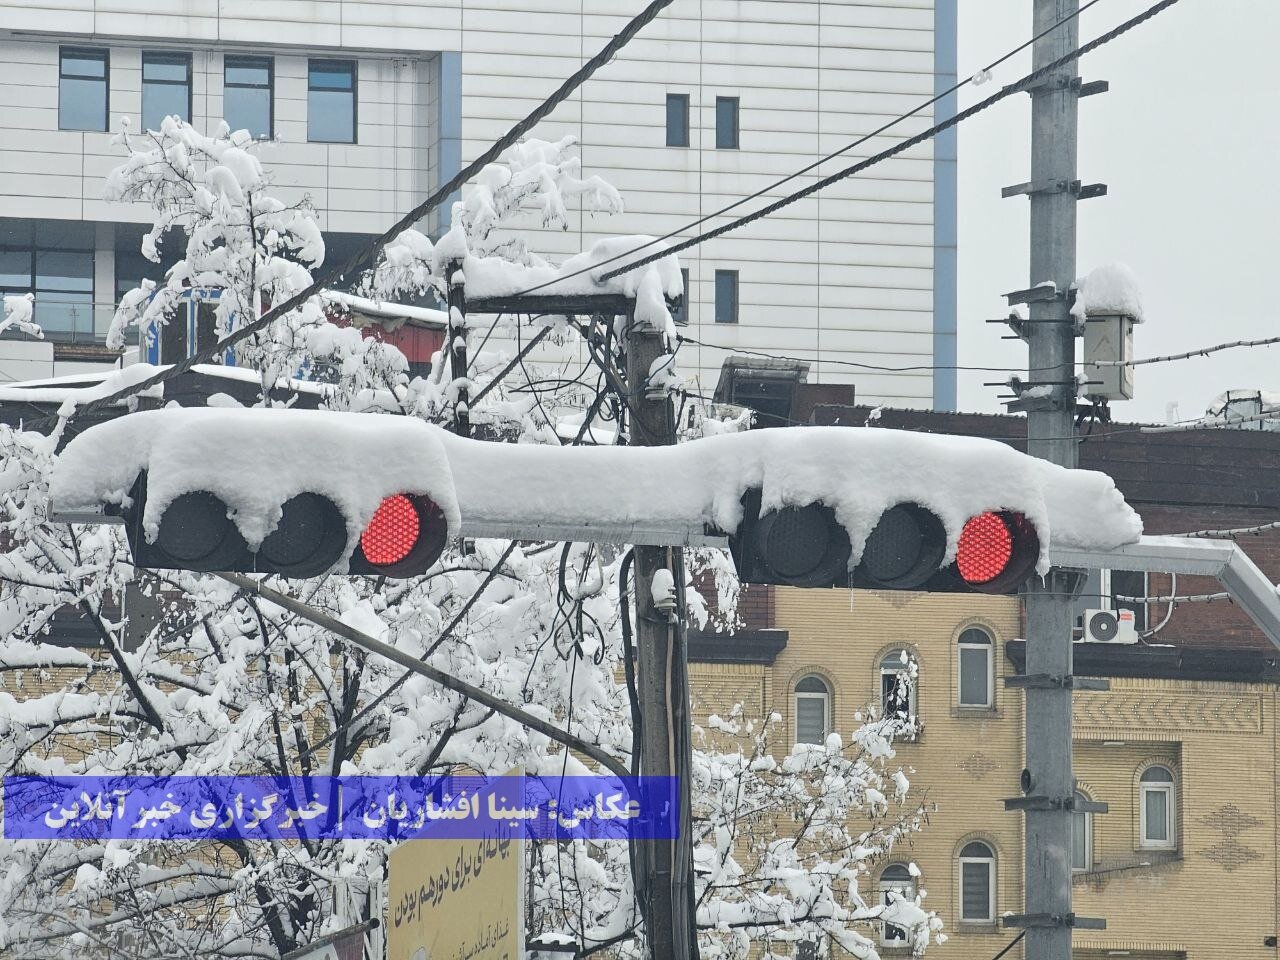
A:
(256, 459)
(83, 387)
(385, 310)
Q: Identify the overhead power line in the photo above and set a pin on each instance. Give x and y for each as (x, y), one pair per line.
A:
(1256, 530)
(1202, 352)
(925, 105)
(1023, 84)
(366, 254)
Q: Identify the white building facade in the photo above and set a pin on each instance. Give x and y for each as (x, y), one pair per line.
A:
(364, 107)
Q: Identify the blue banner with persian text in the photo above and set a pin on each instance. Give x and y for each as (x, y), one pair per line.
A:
(352, 808)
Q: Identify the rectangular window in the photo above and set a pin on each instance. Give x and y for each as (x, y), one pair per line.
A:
(1155, 809)
(726, 123)
(166, 87)
(677, 119)
(975, 885)
(1130, 583)
(53, 260)
(726, 296)
(811, 718)
(82, 88)
(681, 315)
(248, 88)
(331, 101)
(975, 675)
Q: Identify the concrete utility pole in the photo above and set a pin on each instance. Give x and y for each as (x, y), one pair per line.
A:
(1047, 782)
(664, 866)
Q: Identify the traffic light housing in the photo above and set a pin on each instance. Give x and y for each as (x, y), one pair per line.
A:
(807, 547)
(405, 536)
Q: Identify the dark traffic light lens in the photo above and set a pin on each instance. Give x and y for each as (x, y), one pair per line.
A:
(985, 548)
(905, 548)
(392, 533)
(193, 527)
(308, 540)
(797, 540)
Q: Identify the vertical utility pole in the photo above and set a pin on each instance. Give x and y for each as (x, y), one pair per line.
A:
(1048, 782)
(457, 347)
(662, 677)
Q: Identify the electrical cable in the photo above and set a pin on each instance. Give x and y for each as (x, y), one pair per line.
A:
(1230, 531)
(1010, 945)
(1026, 82)
(367, 253)
(816, 163)
(1203, 352)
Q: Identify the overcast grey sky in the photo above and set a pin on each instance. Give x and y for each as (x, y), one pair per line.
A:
(1188, 141)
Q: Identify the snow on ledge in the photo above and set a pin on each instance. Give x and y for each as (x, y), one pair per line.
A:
(256, 459)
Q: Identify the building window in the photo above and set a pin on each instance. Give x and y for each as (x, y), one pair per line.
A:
(248, 94)
(677, 119)
(1081, 836)
(813, 710)
(82, 88)
(726, 296)
(975, 668)
(331, 101)
(1127, 583)
(896, 883)
(681, 314)
(977, 883)
(53, 260)
(166, 87)
(807, 950)
(1156, 806)
(726, 123)
(897, 691)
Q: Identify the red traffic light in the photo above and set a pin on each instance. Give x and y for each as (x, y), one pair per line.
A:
(392, 532)
(997, 551)
(405, 535)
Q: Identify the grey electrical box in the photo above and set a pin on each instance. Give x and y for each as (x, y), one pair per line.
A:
(1108, 337)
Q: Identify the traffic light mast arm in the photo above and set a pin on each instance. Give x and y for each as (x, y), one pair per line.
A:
(1249, 587)
(361, 639)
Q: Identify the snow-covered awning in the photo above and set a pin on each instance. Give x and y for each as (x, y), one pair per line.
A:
(256, 459)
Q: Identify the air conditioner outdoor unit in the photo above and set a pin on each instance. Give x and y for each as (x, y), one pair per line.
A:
(1109, 626)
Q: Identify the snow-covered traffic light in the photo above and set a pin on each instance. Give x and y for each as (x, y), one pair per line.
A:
(996, 551)
(196, 532)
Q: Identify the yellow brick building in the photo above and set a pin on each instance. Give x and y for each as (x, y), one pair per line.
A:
(1183, 749)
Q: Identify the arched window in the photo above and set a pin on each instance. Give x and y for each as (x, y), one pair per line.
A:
(1156, 803)
(975, 668)
(977, 883)
(897, 689)
(1081, 837)
(813, 710)
(896, 882)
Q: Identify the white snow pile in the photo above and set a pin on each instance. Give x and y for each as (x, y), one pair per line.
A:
(256, 459)
(17, 314)
(1110, 288)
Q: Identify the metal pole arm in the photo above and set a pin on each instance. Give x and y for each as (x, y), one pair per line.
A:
(1248, 586)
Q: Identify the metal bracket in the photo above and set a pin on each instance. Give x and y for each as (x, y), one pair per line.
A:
(1085, 192)
(1048, 681)
(1092, 87)
(1070, 804)
(1042, 920)
(1040, 293)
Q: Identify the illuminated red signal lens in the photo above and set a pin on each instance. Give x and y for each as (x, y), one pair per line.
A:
(985, 548)
(392, 533)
